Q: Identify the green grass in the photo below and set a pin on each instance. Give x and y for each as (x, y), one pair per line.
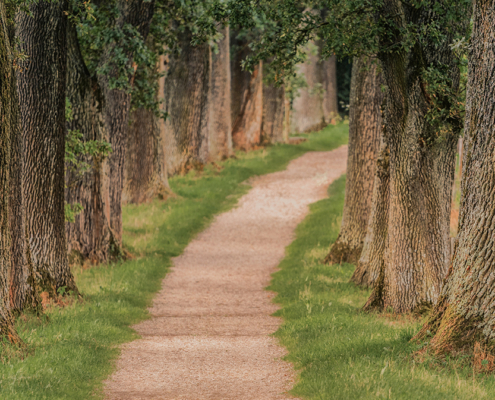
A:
(73, 349)
(343, 353)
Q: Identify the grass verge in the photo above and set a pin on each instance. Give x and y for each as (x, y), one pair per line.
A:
(72, 349)
(343, 353)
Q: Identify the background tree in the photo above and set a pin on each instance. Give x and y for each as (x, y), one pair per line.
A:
(247, 94)
(134, 18)
(219, 99)
(186, 103)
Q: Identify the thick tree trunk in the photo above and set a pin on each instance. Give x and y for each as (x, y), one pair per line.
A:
(9, 130)
(365, 126)
(247, 98)
(466, 309)
(370, 263)
(41, 86)
(220, 124)
(24, 294)
(186, 102)
(146, 174)
(421, 173)
(137, 13)
(273, 113)
(88, 237)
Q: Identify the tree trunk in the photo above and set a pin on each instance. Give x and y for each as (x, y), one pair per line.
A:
(88, 237)
(24, 294)
(328, 72)
(370, 263)
(220, 124)
(287, 117)
(273, 113)
(9, 130)
(465, 311)
(186, 102)
(41, 85)
(137, 13)
(365, 125)
(247, 98)
(307, 108)
(146, 174)
(421, 172)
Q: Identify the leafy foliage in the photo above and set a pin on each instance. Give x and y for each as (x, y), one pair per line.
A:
(415, 29)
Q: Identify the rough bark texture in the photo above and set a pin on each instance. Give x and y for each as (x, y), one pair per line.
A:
(220, 124)
(273, 113)
(146, 174)
(23, 290)
(41, 85)
(417, 251)
(370, 263)
(316, 104)
(186, 102)
(137, 13)
(9, 129)
(365, 125)
(247, 98)
(466, 310)
(88, 237)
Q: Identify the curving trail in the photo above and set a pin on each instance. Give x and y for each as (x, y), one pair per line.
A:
(209, 333)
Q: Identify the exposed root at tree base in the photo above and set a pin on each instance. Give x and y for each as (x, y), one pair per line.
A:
(343, 253)
(361, 276)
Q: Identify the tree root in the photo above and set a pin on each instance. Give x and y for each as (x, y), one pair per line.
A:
(343, 253)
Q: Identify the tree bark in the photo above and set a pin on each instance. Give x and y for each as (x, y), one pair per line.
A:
(186, 102)
(421, 171)
(137, 13)
(88, 237)
(465, 311)
(247, 98)
(23, 292)
(307, 108)
(273, 113)
(9, 130)
(365, 125)
(329, 84)
(370, 264)
(220, 124)
(146, 174)
(41, 86)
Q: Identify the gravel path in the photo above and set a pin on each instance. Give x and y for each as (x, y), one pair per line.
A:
(209, 334)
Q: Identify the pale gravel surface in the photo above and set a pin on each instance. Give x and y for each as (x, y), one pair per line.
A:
(209, 333)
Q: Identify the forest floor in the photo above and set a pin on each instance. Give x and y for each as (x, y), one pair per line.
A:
(209, 335)
(72, 349)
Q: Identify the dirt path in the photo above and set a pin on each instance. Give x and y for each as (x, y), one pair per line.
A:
(209, 334)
